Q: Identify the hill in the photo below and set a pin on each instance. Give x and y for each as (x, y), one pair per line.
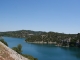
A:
(20, 33)
(60, 39)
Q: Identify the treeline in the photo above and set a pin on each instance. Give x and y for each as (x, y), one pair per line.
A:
(28, 33)
(61, 39)
(20, 33)
(69, 40)
(50, 37)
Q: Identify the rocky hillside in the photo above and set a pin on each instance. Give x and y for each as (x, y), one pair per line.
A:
(8, 54)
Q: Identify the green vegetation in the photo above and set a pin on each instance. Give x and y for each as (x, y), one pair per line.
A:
(2, 40)
(20, 33)
(18, 49)
(60, 39)
(68, 40)
(50, 37)
(29, 57)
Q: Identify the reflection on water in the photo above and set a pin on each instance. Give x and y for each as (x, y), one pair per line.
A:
(45, 51)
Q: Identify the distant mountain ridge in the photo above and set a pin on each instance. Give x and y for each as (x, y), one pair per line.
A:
(20, 33)
(44, 37)
(27, 33)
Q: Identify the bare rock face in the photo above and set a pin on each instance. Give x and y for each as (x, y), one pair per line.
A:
(8, 54)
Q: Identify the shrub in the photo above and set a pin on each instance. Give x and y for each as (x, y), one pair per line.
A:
(4, 42)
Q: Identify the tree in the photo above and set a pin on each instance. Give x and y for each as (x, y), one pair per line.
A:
(18, 49)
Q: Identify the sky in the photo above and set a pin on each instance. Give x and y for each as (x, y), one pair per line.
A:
(40, 15)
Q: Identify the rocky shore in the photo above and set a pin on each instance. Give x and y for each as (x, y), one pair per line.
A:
(55, 43)
(41, 42)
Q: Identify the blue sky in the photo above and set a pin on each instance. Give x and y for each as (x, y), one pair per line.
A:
(40, 15)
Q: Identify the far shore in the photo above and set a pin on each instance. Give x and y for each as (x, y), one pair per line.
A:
(40, 42)
(55, 43)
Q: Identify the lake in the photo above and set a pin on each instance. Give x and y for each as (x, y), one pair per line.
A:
(45, 51)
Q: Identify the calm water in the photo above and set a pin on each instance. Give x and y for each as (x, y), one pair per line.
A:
(45, 52)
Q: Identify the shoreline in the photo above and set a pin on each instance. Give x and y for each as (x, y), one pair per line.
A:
(40, 42)
(55, 43)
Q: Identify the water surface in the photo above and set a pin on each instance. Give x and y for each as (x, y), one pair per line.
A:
(45, 52)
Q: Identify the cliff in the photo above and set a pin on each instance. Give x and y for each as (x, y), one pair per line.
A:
(8, 54)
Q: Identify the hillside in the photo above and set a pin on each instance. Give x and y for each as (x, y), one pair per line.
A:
(20, 33)
(28, 33)
(60, 39)
(8, 54)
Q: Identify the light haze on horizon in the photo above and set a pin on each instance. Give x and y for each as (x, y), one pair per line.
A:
(40, 15)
